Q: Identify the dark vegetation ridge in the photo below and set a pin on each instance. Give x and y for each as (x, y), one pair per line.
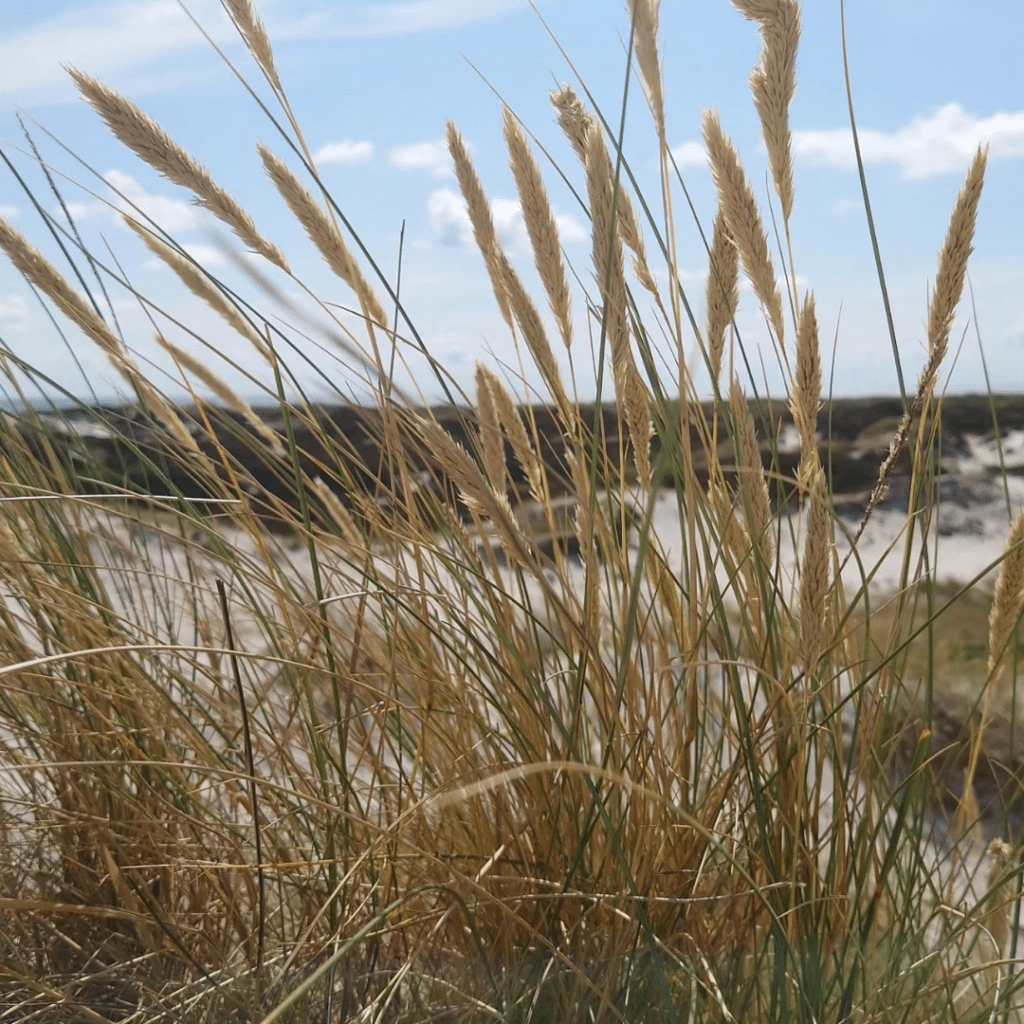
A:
(341, 444)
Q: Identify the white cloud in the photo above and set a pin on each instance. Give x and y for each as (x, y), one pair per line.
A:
(103, 38)
(125, 36)
(452, 226)
(449, 218)
(941, 143)
(690, 154)
(79, 211)
(571, 230)
(13, 310)
(8, 212)
(509, 223)
(172, 215)
(344, 152)
(205, 255)
(846, 205)
(395, 19)
(433, 156)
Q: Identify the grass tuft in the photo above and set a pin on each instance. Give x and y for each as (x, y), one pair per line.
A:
(495, 711)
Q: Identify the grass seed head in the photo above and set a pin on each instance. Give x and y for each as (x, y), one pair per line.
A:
(141, 134)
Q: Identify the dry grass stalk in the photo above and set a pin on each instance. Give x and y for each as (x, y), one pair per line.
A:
(736, 199)
(733, 537)
(636, 401)
(949, 284)
(476, 493)
(200, 285)
(540, 225)
(252, 30)
(608, 266)
(480, 217)
(1009, 596)
(512, 423)
(815, 581)
(607, 247)
(574, 119)
(577, 123)
(629, 231)
(956, 251)
(805, 400)
(141, 134)
(324, 234)
(585, 527)
(532, 327)
(997, 917)
(773, 83)
(38, 270)
(723, 292)
(752, 482)
(341, 516)
(492, 444)
(223, 393)
(644, 14)
(1007, 604)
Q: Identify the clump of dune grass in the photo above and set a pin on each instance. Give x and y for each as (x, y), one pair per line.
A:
(422, 719)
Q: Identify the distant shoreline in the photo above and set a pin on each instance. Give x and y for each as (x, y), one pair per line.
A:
(968, 412)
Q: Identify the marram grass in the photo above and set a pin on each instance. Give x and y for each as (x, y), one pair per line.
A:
(396, 759)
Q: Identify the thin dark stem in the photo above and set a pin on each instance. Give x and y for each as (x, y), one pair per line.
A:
(250, 764)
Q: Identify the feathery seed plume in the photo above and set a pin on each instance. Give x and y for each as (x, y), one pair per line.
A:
(644, 14)
(476, 494)
(607, 245)
(223, 392)
(956, 250)
(38, 270)
(949, 284)
(323, 233)
(815, 585)
(576, 122)
(773, 83)
(253, 32)
(737, 201)
(199, 284)
(752, 482)
(141, 134)
(540, 225)
(1009, 595)
(805, 400)
(723, 292)
(608, 266)
(492, 444)
(532, 327)
(573, 118)
(512, 423)
(480, 217)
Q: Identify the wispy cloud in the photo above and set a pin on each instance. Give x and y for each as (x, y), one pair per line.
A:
(101, 38)
(80, 211)
(344, 152)
(450, 221)
(13, 310)
(148, 40)
(8, 212)
(690, 154)
(449, 218)
(942, 143)
(361, 21)
(172, 215)
(432, 156)
(205, 255)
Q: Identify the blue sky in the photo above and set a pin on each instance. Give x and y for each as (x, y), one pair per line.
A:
(373, 84)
